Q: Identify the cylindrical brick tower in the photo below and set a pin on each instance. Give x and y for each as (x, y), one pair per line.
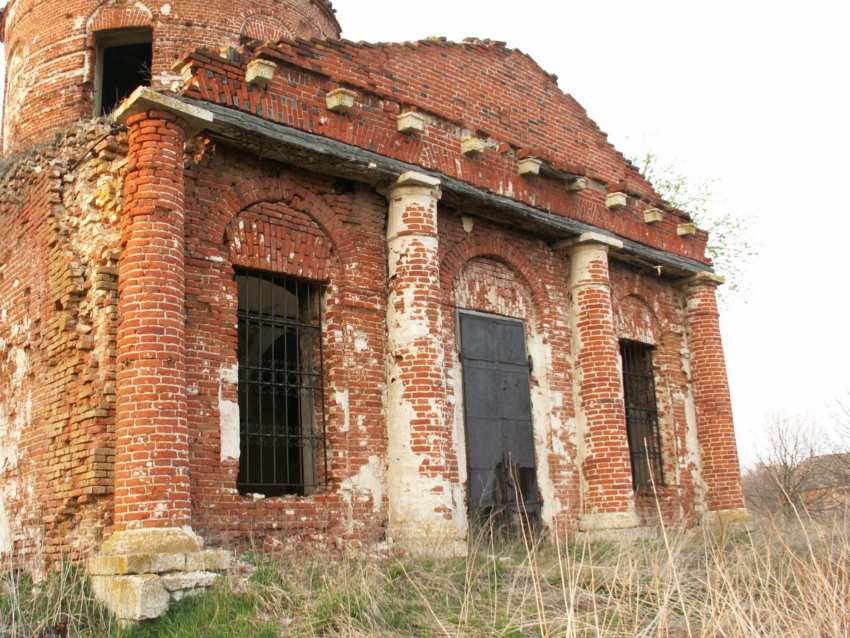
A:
(54, 49)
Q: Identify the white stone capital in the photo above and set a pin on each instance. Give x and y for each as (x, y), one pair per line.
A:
(415, 183)
(590, 239)
(705, 277)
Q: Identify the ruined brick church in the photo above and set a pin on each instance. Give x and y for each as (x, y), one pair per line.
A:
(261, 286)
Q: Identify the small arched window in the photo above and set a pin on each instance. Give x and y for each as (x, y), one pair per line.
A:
(124, 58)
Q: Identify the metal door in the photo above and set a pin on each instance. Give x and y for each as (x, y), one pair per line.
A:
(497, 406)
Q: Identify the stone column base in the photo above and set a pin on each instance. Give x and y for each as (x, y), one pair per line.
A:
(725, 519)
(613, 526)
(427, 540)
(139, 572)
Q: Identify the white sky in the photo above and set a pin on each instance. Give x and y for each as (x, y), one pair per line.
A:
(752, 93)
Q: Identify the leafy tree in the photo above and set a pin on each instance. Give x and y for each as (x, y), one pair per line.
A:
(729, 245)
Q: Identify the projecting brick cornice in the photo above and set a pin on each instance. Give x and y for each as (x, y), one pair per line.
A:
(314, 152)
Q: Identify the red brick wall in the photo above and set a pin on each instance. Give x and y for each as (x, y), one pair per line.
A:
(649, 310)
(59, 308)
(151, 460)
(264, 216)
(491, 269)
(711, 398)
(58, 296)
(50, 48)
(486, 90)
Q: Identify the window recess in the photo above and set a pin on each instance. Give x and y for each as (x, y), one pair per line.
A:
(642, 415)
(124, 58)
(281, 394)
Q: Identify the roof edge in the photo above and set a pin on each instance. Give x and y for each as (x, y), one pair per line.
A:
(219, 119)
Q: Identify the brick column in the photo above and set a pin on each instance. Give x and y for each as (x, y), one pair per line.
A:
(152, 443)
(720, 469)
(423, 497)
(607, 492)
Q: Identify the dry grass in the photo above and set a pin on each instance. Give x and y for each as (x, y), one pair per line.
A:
(783, 579)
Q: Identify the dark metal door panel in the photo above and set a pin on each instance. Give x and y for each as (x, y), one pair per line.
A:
(497, 405)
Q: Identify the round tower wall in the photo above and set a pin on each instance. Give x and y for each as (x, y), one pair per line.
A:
(52, 46)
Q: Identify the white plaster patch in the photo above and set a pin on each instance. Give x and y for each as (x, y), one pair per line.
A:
(369, 481)
(21, 366)
(341, 398)
(361, 341)
(165, 9)
(228, 415)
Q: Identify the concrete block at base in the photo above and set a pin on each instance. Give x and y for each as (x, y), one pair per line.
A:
(132, 598)
(139, 571)
(427, 539)
(604, 521)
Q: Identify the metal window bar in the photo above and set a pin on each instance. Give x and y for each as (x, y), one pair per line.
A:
(642, 415)
(281, 390)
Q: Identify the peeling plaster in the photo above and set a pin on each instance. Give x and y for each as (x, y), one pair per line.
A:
(369, 482)
(341, 398)
(546, 426)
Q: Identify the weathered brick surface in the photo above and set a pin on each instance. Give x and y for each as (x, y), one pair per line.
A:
(515, 106)
(241, 214)
(713, 403)
(648, 310)
(58, 296)
(180, 218)
(50, 48)
(152, 447)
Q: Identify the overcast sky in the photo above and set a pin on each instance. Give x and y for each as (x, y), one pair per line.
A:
(751, 93)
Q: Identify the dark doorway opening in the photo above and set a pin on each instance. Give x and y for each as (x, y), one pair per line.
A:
(502, 471)
(124, 60)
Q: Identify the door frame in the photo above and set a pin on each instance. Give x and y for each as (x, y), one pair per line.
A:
(459, 349)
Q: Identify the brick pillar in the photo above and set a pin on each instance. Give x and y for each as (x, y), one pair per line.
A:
(607, 492)
(720, 469)
(424, 501)
(152, 446)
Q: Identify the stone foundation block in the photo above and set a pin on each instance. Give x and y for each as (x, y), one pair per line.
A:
(209, 560)
(187, 580)
(105, 565)
(138, 572)
(132, 598)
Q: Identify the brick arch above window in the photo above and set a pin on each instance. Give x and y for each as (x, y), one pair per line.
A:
(260, 27)
(275, 237)
(635, 320)
(270, 191)
(108, 16)
(495, 248)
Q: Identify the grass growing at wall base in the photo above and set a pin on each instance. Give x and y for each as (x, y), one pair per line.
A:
(782, 580)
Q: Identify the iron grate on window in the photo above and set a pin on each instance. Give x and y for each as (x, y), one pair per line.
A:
(281, 394)
(642, 415)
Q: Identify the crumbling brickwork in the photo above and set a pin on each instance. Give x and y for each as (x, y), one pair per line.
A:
(58, 285)
(121, 417)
